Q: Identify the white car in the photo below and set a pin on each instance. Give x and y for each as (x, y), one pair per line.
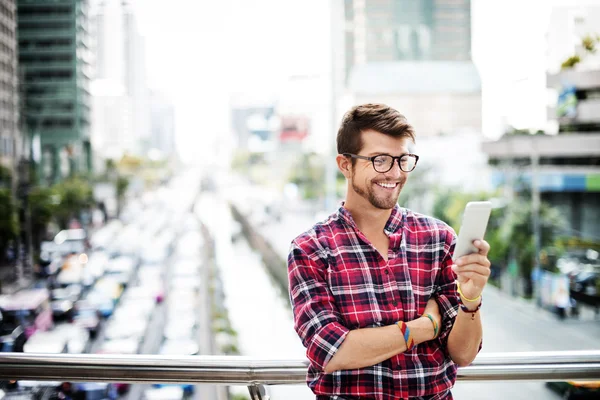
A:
(119, 346)
(164, 393)
(77, 337)
(132, 328)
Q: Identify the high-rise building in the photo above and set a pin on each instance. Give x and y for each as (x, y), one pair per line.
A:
(162, 124)
(119, 52)
(407, 30)
(54, 63)
(9, 132)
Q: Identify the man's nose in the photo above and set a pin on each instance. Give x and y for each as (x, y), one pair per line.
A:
(395, 171)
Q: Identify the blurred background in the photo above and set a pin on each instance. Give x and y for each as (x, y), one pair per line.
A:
(157, 158)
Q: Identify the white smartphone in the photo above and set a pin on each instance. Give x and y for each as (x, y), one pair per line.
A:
(474, 224)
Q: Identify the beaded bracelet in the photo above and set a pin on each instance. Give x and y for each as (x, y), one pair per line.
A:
(435, 325)
(407, 335)
(466, 309)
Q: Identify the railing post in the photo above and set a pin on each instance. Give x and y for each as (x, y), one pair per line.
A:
(258, 392)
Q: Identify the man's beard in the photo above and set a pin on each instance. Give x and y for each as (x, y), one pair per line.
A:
(381, 202)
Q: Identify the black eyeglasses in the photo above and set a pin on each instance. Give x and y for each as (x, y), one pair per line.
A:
(382, 163)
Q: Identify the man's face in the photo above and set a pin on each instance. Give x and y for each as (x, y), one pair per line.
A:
(381, 190)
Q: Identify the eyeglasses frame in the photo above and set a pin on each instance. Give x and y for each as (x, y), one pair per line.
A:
(394, 158)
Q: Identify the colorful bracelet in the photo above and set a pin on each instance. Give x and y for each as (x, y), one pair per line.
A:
(466, 309)
(435, 325)
(465, 297)
(407, 335)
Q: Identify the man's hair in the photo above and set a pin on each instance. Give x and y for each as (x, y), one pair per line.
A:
(378, 117)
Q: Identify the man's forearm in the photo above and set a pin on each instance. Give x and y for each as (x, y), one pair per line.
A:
(369, 346)
(465, 338)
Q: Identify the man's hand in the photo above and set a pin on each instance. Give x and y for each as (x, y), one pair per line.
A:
(473, 271)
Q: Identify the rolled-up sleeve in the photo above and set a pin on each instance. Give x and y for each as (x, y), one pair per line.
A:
(316, 318)
(445, 290)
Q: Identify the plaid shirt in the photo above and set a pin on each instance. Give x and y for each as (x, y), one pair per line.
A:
(339, 282)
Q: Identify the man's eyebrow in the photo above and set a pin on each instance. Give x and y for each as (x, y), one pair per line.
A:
(380, 153)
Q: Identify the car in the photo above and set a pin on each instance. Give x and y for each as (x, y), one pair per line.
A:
(586, 282)
(88, 317)
(46, 342)
(134, 308)
(576, 390)
(179, 347)
(78, 338)
(101, 302)
(63, 300)
(146, 290)
(119, 346)
(109, 287)
(166, 392)
(134, 328)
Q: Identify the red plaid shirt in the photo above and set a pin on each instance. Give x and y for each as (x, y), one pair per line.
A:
(339, 282)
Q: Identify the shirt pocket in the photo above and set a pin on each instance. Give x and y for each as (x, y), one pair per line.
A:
(354, 291)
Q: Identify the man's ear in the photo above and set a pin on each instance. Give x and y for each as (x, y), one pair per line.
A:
(344, 165)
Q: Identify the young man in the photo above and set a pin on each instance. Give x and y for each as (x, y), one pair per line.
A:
(374, 291)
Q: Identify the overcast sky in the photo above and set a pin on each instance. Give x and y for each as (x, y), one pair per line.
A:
(200, 51)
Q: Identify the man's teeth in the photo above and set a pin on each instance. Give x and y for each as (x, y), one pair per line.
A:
(386, 185)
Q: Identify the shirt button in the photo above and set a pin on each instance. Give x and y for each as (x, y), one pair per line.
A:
(387, 272)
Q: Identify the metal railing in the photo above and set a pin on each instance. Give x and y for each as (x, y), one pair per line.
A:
(257, 373)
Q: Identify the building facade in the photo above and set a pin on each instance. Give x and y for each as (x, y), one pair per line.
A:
(54, 63)
(407, 30)
(9, 114)
(565, 166)
(119, 53)
(162, 125)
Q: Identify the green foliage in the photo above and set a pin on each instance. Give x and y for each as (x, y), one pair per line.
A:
(590, 43)
(308, 173)
(240, 161)
(9, 222)
(74, 195)
(121, 186)
(509, 232)
(571, 62)
(5, 177)
(42, 208)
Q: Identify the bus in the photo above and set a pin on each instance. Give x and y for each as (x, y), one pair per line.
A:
(29, 309)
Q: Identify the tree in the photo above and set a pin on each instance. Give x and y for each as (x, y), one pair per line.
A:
(42, 208)
(5, 177)
(308, 174)
(121, 186)
(74, 195)
(9, 222)
(509, 232)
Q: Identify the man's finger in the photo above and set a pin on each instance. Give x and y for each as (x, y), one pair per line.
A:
(473, 259)
(483, 246)
(471, 269)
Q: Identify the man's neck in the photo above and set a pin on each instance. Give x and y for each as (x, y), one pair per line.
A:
(368, 219)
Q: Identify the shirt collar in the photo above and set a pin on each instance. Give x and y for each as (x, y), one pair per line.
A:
(393, 224)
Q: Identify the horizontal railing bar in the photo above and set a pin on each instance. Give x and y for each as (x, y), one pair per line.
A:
(231, 370)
